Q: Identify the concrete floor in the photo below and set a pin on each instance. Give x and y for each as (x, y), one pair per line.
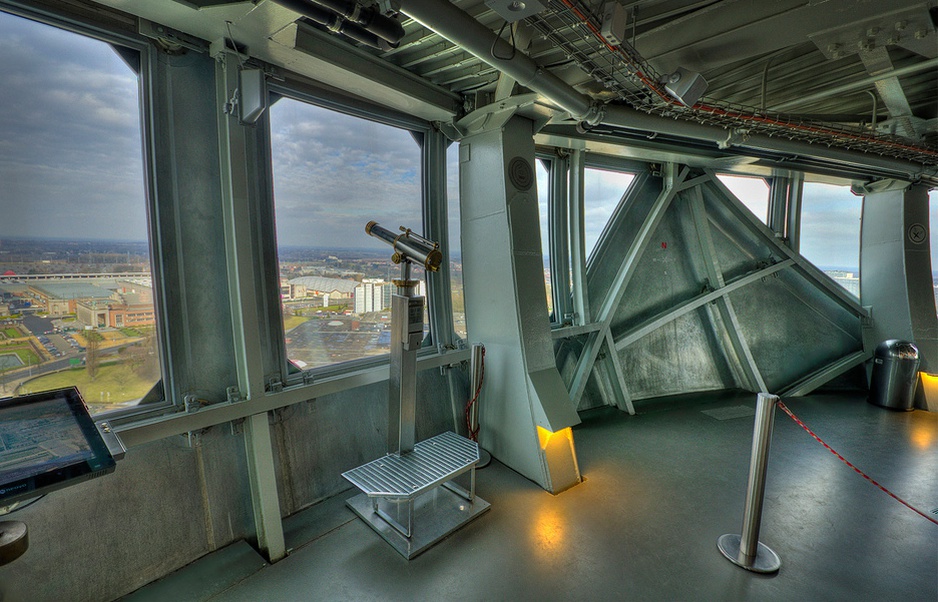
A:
(660, 488)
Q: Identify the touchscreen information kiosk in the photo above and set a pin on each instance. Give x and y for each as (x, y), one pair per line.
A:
(48, 441)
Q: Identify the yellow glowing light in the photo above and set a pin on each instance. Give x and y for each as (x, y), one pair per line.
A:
(930, 388)
(545, 436)
(923, 436)
(929, 380)
(548, 532)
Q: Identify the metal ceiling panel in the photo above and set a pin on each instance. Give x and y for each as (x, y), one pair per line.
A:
(756, 57)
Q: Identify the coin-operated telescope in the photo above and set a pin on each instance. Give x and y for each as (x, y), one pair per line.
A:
(409, 247)
(413, 475)
(406, 329)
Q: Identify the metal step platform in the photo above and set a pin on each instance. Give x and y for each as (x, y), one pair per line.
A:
(411, 500)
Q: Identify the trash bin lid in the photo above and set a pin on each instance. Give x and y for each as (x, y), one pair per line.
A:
(894, 348)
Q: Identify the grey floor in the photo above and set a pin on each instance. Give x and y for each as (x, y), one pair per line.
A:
(660, 488)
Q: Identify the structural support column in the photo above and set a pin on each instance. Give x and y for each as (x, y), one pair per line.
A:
(525, 411)
(785, 208)
(896, 271)
(672, 185)
(793, 219)
(244, 285)
(581, 306)
(433, 146)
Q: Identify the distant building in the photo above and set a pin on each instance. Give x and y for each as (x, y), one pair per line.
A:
(375, 295)
(317, 286)
(291, 291)
(129, 309)
(128, 306)
(848, 280)
(62, 298)
(369, 296)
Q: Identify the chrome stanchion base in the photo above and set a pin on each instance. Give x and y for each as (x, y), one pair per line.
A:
(485, 458)
(14, 541)
(766, 561)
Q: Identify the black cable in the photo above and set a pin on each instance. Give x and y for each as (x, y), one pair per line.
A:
(511, 31)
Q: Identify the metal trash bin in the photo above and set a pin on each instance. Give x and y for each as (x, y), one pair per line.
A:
(895, 374)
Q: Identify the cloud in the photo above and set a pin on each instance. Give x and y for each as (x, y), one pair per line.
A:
(70, 151)
(333, 173)
(602, 192)
(830, 226)
(752, 192)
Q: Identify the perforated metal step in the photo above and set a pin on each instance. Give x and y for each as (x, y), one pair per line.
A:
(431, 463)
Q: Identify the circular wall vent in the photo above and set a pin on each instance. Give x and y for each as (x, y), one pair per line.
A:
(520, 174)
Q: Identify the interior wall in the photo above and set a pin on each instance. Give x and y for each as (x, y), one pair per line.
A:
(169, 503)
(316, 441)
(165, 505)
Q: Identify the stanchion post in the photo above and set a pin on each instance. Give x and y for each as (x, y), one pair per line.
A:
(745, 550)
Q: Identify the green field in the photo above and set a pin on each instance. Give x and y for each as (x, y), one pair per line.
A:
(27, 356)
(114, 383)
(11, 333)
(291, 322)
(22, 351)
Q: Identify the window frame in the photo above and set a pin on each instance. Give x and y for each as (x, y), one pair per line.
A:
(146, 61)
(615, 167)
(557, 161)
(421, 131)
(765, 219)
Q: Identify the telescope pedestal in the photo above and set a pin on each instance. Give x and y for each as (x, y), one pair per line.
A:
(412, 500)
(410, 496)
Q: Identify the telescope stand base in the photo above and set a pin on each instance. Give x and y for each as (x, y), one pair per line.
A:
(766, 561)
(436, 513)
(485, 458)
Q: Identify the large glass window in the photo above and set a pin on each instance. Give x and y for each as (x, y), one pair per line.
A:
(752, 192)
(333, 173)
(455, 242)
(76, 304)
(602, 192)
(933, 228)
(542, 174)
(830, 232)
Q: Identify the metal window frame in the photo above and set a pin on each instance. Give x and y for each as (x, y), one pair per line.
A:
(795, 221)
(433, 219)
(147, 58)
(615, 165)
(560, 164)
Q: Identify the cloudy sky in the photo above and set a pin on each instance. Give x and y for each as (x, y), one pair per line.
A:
(71, 165)
(334, 173)
(70, 151)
